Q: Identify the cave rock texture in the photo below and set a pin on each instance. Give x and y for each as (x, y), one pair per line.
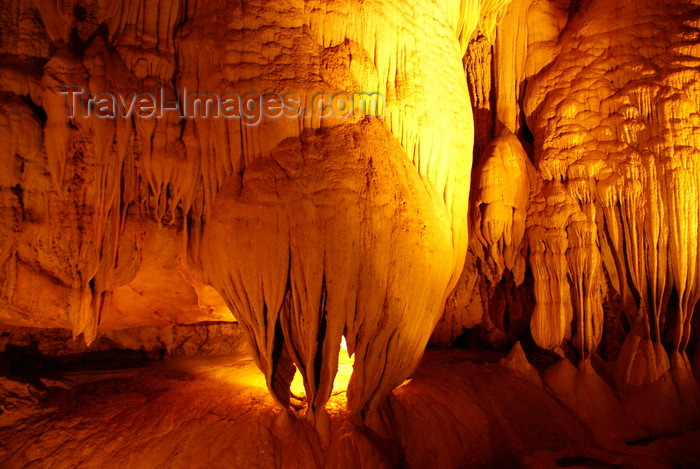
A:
(531, 189)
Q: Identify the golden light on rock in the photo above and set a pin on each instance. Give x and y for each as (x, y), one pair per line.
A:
(340, 382)
(330, 233)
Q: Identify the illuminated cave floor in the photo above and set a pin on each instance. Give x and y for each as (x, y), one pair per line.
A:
(215, 412)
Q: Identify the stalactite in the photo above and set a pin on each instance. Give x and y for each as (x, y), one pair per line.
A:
(631, 171)
(503, 192)
(381, 327)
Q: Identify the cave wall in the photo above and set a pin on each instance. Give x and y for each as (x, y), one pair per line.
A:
(533, 177)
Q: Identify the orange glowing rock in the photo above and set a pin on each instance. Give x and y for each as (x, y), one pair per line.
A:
(533, 179)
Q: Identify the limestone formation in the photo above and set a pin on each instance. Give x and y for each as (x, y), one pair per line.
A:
(526, 187)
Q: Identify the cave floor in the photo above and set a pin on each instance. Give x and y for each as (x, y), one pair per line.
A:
(458, 410)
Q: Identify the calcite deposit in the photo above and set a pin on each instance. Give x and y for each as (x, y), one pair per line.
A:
(527, 187)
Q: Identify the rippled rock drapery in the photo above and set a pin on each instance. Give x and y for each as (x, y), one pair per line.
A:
(309, 229)
(603, 98)
(625, 144)
(350, 227)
